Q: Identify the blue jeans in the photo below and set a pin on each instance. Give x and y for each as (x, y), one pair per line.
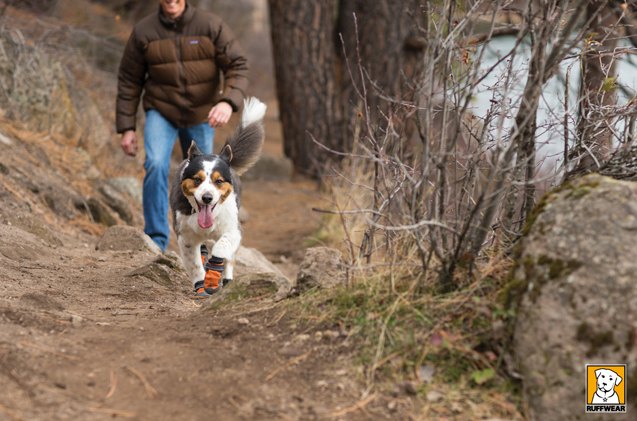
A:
(159, 139)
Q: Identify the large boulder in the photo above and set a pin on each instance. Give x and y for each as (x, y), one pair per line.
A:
(575, 277)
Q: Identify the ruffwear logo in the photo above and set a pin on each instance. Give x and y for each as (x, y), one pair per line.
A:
(606, 388)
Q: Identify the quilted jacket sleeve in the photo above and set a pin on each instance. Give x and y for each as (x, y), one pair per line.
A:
(130, 83)
(234, 65)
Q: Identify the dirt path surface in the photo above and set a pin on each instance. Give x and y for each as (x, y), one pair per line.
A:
(96, 335)
(82, 338)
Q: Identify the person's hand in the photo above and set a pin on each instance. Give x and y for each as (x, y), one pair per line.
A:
(129, 143)
(219, 114)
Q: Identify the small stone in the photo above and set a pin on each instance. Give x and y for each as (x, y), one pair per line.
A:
(331, 334)
(76, 321)
(410, 388)
(243, 321)
(321, 384)
(434, 396)
(302, 337)
(318, 335)
(392, 406)
(426, 373)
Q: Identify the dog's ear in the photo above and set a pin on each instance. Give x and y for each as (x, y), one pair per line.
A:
(193, 150)
(598, 372)
(618, 380)
(226, 153)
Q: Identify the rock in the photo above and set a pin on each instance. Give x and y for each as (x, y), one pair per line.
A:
(164, 270)
(434, 396)
(5, 140)
(575, 282)
(127, 185)
(269, 168)
(280, 282)
(253, 266)
(76, 321)
(155, 272)
(62, 201)
(252, 260)
(116, 201)
(243, 321)
(321, 267)
(125, 238)
(426, 373)
(100, 212)
(410, 388)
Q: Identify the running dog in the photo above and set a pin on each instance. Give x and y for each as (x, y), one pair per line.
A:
(204, 199)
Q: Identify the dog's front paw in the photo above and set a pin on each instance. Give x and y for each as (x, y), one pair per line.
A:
(225, 282)
(202, 291)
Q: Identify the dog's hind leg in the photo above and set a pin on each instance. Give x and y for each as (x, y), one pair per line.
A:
(191, 253)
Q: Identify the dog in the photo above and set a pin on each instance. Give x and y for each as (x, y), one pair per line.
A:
(204, 199)
(606, 382)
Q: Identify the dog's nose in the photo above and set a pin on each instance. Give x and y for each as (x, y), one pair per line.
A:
(207, 198)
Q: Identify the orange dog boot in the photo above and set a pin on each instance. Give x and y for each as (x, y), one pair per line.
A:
(214, 270)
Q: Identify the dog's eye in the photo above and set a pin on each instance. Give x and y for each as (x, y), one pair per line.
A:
(219, 181)
(197, 181)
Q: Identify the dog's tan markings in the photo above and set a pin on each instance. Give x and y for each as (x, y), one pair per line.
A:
(220, 183)
(189, 185)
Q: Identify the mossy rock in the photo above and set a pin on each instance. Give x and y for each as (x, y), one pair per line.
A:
(574, 290)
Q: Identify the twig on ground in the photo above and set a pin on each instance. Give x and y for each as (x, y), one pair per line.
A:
(113, 385)
(294, 361)
(150, 390)
(358, 405)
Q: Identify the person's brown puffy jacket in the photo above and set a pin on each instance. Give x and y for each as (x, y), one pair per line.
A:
(178, 65)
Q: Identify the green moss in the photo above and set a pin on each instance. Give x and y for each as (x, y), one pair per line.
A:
(535, 213)
(558, 268)
(596, 340)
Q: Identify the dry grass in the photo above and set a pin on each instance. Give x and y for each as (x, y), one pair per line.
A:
(53, 81)
(401, 330)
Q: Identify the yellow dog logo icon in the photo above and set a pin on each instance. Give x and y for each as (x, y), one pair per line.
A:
(606, 388)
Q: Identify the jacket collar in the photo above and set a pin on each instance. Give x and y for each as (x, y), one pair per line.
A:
(181, 21)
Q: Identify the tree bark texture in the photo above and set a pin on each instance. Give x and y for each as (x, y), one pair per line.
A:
(304, 57)
(326, 87)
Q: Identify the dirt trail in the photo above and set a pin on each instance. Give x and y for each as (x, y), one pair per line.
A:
(80, 338)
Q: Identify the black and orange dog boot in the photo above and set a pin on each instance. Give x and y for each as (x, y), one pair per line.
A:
(214, 269)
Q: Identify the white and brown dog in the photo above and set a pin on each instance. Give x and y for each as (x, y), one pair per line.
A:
(205, 202)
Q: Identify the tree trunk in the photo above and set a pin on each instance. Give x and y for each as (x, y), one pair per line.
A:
(322, 92)
(304, 57)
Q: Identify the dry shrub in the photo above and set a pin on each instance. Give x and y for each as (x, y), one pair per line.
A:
(55, 88)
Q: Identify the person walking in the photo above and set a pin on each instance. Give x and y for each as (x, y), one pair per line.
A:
(176, 58)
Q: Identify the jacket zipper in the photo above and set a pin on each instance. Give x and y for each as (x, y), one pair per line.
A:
(182, 78)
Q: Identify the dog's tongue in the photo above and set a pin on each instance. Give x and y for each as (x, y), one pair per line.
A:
(204, 217)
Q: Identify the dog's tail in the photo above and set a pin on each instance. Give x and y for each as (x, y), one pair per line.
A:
(243, 148)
